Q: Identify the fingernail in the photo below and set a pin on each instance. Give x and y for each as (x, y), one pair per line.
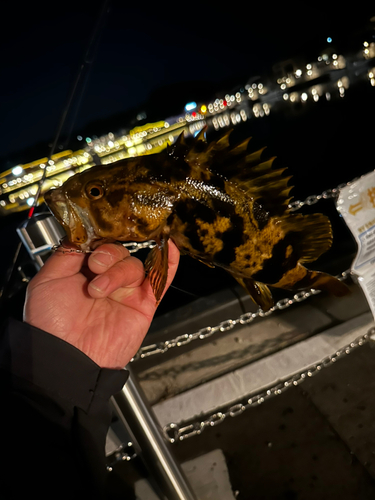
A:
(102, 258)
(100, 283)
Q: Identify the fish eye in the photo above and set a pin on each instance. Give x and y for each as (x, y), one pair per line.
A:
(94, 190)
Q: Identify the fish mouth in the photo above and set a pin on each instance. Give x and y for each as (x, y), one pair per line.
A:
(74, 220)
(57, 204)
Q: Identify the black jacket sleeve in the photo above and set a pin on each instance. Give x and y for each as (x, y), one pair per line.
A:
(54, 416)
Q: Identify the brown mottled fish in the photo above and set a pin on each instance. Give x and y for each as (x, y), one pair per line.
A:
(219, 203)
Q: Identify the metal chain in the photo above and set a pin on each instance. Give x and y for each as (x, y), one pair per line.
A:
(311, 200)
(229, 324)
(178, 432)
(131, 246)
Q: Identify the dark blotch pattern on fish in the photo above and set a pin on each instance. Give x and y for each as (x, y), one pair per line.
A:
(274, 268)
(232, 238)
(115, 197)
(260, 215)
(222, 207)
(190, 210)
(101, 222)
(170, 171)
(142, 224)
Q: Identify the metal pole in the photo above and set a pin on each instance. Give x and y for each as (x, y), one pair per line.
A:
(137, 415)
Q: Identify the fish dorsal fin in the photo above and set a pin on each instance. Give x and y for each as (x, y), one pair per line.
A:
(247, 169)
(221, 143)
(260, 181)
(179, 148)
(240, 148)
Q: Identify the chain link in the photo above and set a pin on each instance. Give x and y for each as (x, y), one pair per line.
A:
(325, 195)
(134, 246)
(178, 432)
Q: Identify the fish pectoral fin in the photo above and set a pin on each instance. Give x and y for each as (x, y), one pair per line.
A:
(259, 292)
(156, 266)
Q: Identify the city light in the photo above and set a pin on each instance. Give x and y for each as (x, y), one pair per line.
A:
(16, 171)
(190, 106)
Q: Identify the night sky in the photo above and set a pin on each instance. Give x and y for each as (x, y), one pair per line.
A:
(154, 57)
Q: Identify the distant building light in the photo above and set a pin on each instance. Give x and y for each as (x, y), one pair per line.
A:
(190, 105)
(88, 140)
(79, 137)
(329, 39)
(17, 170)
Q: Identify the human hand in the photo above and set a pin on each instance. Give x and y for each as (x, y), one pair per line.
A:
(106, 317)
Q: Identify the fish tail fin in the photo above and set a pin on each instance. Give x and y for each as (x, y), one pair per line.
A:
(313, 232)
(259, 292)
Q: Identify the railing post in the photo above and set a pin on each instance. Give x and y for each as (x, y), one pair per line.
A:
(137, 415)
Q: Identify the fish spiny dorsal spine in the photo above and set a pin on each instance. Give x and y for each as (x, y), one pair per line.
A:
(257, 178)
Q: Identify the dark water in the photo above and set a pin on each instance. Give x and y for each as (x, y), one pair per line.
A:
(323, 144)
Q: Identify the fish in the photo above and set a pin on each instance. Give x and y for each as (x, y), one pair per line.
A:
(222, 204)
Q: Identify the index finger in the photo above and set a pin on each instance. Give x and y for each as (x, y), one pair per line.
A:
(105, 256)
(61, 264)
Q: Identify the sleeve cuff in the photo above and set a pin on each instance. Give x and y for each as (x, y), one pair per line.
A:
(50, 363)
